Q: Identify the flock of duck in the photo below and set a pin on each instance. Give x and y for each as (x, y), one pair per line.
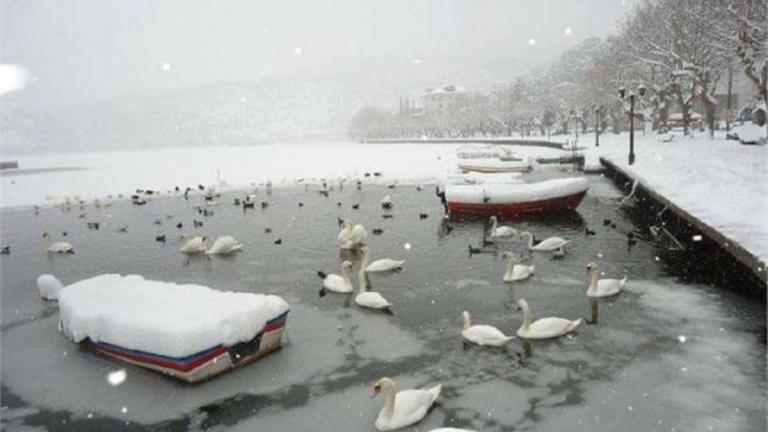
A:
(407, 407)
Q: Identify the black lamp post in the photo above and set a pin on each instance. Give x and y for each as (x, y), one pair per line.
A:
(623, 95)
(598, 110)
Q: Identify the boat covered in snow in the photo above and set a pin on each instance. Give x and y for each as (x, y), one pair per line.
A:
(484, 151)
(509, 195)
(190, 332)
(496, 165)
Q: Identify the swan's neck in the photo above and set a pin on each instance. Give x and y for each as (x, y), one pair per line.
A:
(467, 323)
(361, 280)
(345, 274)
(529, 239)
(494, 225)
(593, 282)
(389, 406)
(526, 317)
(510, 266)
(364, 264)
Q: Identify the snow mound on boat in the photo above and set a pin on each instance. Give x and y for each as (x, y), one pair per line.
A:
(162, 318)
(501, 193)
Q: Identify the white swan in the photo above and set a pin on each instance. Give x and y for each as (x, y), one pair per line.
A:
(603, 287)
(352, 235)
(195, 245)
(370, 299)
(483, 334)
(500, 231)
(57, 247)
(48, 287)
(337, 283)
(225, 245)
(516, 272)
(380, 265)
(403, 408)
(548, 244)
(543, 328)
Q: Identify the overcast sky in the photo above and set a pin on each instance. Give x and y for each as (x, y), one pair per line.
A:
(86, 50)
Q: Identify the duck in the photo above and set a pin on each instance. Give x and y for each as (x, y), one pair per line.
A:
(547, 245)
(402, 408)
(195, 245)
(337, 283)
(543, 328)
(49, 287)
(500, 231)
(224, 245)
(370, 299)
(380, 265)
(516, 272)
(603, 287)
(386, 202)
(57, 247)
(482, 334)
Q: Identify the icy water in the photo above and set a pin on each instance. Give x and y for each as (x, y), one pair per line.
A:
(664, 356)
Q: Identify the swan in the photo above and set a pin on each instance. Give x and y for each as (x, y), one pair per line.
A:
(225, 245)
(57, 247)
(352, 235)
(543, 328)
(370, 299)
(516, 272)
(500, 231)
(549, 244)
(49, 287)
(337, 283)
(194, 246)
(380, 265)
(603, 287)
(483, 334)
(403, 408)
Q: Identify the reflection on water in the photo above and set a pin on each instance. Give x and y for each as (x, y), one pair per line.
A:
(632, 357)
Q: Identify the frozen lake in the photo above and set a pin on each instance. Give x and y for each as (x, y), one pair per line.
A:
(663, 356)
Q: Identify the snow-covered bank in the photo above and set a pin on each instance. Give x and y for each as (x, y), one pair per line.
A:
(721, 182)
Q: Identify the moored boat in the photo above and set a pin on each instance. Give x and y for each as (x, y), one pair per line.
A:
(514, 198)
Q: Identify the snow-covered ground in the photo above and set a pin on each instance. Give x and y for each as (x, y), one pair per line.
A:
(723, 183)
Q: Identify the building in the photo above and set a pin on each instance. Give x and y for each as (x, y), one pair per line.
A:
(444, 99)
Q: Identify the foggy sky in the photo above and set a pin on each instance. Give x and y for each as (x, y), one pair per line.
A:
(79, 51)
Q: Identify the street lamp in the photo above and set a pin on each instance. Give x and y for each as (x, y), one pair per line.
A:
(598, 110)
(631, 96)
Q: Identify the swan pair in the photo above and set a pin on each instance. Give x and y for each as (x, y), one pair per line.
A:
(222, 246)
(603, 287)
(352, 235)
(343, 284)
(551, 244)
(516, 272)
(402, 408)
(57, 247)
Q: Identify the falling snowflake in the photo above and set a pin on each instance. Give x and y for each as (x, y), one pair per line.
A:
(416, 61)
(166, 67)
(697, 237)
(298, 51)
(407, 246)
(568, 31)
(117, 377)
(531, 41)
(682, 338)
(124, 410)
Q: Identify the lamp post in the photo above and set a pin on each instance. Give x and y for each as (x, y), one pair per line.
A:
(598, 110)
(631, 96)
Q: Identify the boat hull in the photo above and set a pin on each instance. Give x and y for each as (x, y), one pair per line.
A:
(568, 202)
(204, 365)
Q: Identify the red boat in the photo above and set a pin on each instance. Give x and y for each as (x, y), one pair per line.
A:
(514, 198)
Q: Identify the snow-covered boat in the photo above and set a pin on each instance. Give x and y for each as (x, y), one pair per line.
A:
(484, 151)
(495, 165)
(189, 332)
(513, 197)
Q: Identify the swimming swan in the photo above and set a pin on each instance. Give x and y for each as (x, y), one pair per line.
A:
(402, 408)
(603, 287)
(516, 272)
(380, 265)
(483, 334)
(543, 328)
